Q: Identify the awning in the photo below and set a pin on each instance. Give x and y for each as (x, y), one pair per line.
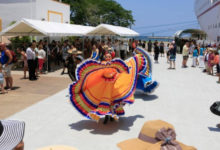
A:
(189, 33)
(105, 29)
(28, 27)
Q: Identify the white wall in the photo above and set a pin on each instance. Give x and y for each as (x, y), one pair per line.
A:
(210, 23)
(14, 11)
(52, 11)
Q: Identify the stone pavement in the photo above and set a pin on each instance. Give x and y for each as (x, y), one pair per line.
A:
(27, 93)
(183, 99)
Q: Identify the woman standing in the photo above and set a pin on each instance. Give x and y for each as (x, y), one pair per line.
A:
(211, 62)
(24, 59)
(41, 58)
(95, 53)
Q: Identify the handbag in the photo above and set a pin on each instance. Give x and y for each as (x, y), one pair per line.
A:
(215, 108)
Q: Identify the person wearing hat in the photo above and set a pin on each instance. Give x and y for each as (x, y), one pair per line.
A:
(71, 62)
(155, 135)
(11, 135)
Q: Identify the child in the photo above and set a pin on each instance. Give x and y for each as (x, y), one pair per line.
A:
(195, 57)
(108, 58)
(2, 81)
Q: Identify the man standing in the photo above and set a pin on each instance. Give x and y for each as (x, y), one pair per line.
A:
(149, 46)
(122, 50)
(172, 56)
(6, 61)
(156, 52)
(162, 49)
(31, 62)
(185, 55)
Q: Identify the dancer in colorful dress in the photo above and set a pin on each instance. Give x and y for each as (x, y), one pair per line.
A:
(102, 89)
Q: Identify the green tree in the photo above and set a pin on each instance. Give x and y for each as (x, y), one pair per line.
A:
(94, 12)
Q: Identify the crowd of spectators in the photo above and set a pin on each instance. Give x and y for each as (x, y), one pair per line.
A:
(41, 57)
(203, 56)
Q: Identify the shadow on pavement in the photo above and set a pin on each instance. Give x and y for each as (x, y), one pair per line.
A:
(15, 88)
(145, 97)
(124, 123)
(214, 129)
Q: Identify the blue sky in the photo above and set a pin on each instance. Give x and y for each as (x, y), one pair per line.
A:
(151, 13)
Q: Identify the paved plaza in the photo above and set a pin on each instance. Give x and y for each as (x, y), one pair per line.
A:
(26, 93)
(182, 99)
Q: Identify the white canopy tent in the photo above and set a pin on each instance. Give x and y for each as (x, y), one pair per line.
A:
(28, 27)
(105, 29)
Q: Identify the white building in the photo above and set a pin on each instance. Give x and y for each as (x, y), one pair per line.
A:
(48, 10)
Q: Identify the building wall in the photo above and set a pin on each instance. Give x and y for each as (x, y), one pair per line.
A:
(52, 11)
(48, 10)
(16, 10)
(0, 24)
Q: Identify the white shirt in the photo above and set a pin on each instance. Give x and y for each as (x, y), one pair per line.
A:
(122, 47)
(117, 47)
(30, 54)
(41, 54)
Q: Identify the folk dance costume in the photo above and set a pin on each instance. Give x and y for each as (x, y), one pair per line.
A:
(102, 89)
(145, 82)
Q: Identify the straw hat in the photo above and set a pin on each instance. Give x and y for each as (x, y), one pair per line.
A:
(71, 51)
(58, 148)
(105, 47)
(211, 49)
(79, 53)
(155, 135)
